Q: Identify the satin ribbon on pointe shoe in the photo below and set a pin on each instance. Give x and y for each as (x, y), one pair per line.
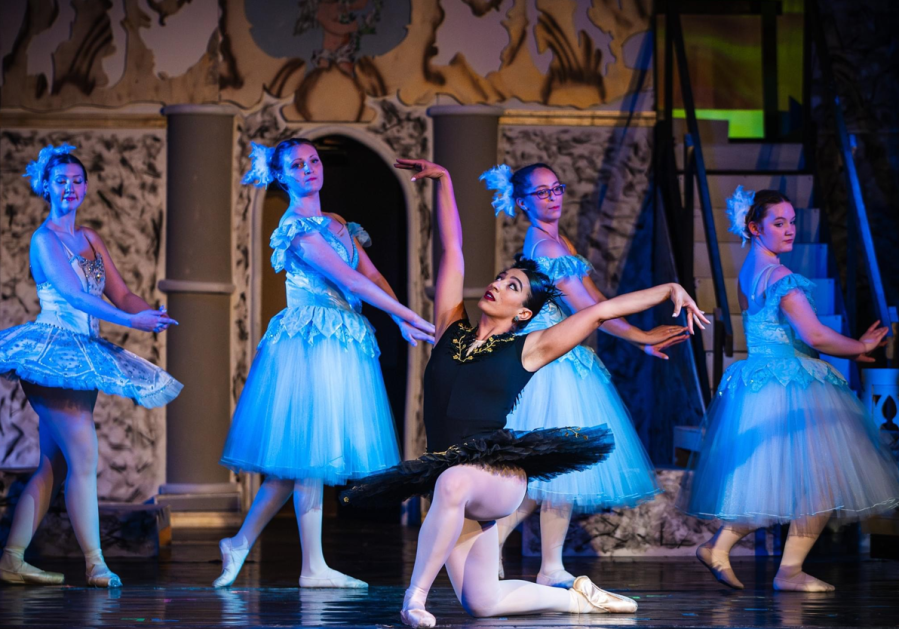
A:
(232, 562)
(603, 600)
(16, 570)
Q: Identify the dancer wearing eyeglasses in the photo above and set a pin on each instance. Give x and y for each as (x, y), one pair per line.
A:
(576, 387)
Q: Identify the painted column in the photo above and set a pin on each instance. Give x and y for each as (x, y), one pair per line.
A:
(199, 286)
(465, 143)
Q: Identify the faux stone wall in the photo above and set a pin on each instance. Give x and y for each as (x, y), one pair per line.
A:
(126, 205)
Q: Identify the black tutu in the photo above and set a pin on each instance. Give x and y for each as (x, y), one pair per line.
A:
(542, 454)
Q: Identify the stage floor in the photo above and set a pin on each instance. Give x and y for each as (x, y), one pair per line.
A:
(175, 590)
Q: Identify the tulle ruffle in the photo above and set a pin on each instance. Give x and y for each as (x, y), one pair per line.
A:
(283, 236)
(312, 323)
(541, 454)
(358, 232)
(785, 452)
(312, 410)
(556, 395)
(787, 283)
(564, 266)
(756, 372)
(56, 357)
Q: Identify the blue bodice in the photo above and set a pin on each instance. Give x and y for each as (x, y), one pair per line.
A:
(58, 312)
(316, 306)
(775, 350)
(583, 358)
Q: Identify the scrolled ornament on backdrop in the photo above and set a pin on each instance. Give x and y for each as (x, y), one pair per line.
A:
(36, 169)
(499, 179)
(738, 206)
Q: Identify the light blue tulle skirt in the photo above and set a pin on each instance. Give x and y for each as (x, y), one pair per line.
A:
(576, 390)
(314, 404)
(52, 356)
(779, 450)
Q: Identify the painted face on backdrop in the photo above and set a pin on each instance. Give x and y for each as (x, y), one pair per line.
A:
(777, 230)
(547, 210)
(301, 170)
(66, 187)
(506, 295)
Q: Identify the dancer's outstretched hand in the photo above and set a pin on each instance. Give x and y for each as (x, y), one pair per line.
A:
(682, 301)
(152, 320)
(872, 338)
(662, 337)
(425, 168)
(412, 335)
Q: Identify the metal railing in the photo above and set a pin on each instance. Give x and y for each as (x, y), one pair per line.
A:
(858, 228)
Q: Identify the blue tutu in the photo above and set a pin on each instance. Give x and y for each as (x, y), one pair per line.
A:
(314, 404)
(576, 389)
(786, 437)
(63, 349)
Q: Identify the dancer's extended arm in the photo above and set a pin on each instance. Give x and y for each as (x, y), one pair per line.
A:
(544, 346)
(815, 334)
(448, 305)
(54, 263)
(583, 293)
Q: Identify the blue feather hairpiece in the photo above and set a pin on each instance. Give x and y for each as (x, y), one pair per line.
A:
(738, 206)
(36, 169)
(260, 173)
(499, 179)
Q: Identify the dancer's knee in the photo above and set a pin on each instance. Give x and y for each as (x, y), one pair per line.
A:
(452, 487)
(479, 602)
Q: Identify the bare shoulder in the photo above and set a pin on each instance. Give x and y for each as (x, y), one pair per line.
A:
(93, 237)
(336, 217)
(43, 236)
(569, 244)
(778, 274)
(550, 249)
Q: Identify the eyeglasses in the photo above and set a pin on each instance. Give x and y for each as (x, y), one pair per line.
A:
(543, 193)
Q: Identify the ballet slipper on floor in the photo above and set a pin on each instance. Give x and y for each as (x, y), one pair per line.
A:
(603, 601)
(558, 579)
(100, 576)
(721, 570)
(801, 582)
(332, 579)
(232, 561)
(15, 570)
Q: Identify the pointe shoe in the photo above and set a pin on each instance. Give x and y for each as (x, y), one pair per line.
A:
(603, 601)
(16, 570)
(100, 576)
(333, 579)
(558, 579)
(417, 617)
(723, 573)
(801, 582)
(232, 562)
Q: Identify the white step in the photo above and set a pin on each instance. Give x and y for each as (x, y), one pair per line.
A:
(710, 131)
(746, 155)
(808, 259)
(834, 322)
(823, 294)
(798, 188)
(808, 226)
(842, 364)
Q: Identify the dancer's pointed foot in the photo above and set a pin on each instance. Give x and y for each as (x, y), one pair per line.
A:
(800, 582)
(14, 569)
(99, 575)
(329, 578)
(601, 601)
(718, 563)
(414, 613)
(232, 561)
(558, 579)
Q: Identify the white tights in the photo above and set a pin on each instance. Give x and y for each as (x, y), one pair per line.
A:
(69, 453)
(307, 502)
(554, 523)
(460, 532)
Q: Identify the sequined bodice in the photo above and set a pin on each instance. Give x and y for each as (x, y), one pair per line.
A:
(57, 311)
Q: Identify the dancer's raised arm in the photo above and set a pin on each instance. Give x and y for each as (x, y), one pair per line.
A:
(544, 346)
(448, 305)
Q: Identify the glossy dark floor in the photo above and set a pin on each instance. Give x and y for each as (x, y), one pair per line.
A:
(174, 591)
